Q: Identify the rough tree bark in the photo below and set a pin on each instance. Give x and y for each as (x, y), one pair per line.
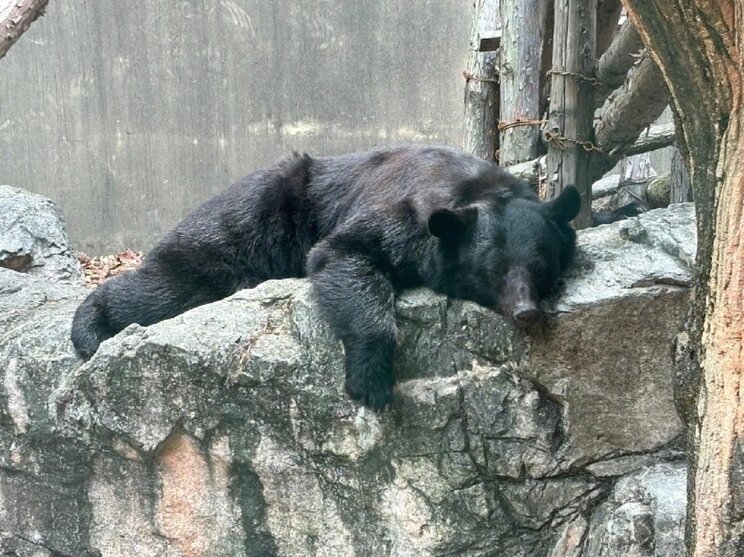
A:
(698, 46)
(631, 108)
(16, 16)
(481, 84)
(521, 48)
(572, 101)
(608, 15)
(617, 60)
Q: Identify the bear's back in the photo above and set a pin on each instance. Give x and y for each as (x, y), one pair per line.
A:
(428, 177)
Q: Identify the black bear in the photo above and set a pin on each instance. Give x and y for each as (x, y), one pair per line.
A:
(362, 226)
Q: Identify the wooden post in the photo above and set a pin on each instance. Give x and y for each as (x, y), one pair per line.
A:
(481, 82)
(521, 48)
(635, 174)
(569, 132)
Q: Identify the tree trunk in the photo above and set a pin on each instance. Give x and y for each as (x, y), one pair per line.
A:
(521, 47)
(697, 45)
(572, 102)
(481, 84)
(16, 16)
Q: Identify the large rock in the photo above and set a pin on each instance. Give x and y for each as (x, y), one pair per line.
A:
(644, 515)
(33, 238)
(225, 431)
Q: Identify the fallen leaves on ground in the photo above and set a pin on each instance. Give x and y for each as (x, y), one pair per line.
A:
(98, 269)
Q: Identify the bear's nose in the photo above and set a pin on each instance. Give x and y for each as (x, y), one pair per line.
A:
(525, 313)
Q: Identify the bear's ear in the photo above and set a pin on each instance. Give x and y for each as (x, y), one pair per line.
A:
(452, 224)
(566, 206)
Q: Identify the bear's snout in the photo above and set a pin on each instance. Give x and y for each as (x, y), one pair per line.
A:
(518, 300)
(526, 314)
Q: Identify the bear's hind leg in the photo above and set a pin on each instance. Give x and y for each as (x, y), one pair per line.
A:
(145, 296)
(358, 300)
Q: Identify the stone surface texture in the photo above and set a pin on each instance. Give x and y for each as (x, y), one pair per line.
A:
(33, 238)
(226, 432)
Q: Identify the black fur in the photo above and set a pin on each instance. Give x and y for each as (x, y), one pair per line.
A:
(363, 227)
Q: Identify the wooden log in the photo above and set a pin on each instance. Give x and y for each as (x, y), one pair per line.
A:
(521, 47)
(631, 108)
(698, 44)
(16, 16)
(607, 186)
(533, 171)
(635, 174)
(572, 102)
(546, 58)
(613, 66)
(481, 84)
(608, 15)
(656, 137)
(653, 138)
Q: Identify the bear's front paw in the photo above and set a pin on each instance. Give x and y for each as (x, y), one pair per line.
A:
(374, 392)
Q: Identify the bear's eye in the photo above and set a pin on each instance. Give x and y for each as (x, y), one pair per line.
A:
(543, 279)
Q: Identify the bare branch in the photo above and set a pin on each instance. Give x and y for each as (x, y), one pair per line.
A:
(16, 16)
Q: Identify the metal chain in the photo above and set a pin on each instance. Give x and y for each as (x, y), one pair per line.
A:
(593, 80)
(468, 76)
(520, 122)
(560, 141)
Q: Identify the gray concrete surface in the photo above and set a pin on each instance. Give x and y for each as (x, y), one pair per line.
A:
(130, 114)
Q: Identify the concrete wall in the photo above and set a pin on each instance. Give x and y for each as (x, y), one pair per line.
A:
(130, 114)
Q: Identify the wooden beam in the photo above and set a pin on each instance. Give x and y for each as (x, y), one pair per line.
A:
(481, 84)
(569, 128)
(522, 33)
(608, 15)
(656, 137)
(613, 66)
(631, 108)
(653, 138)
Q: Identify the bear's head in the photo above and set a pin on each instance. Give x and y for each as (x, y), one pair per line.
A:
(506, 255)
